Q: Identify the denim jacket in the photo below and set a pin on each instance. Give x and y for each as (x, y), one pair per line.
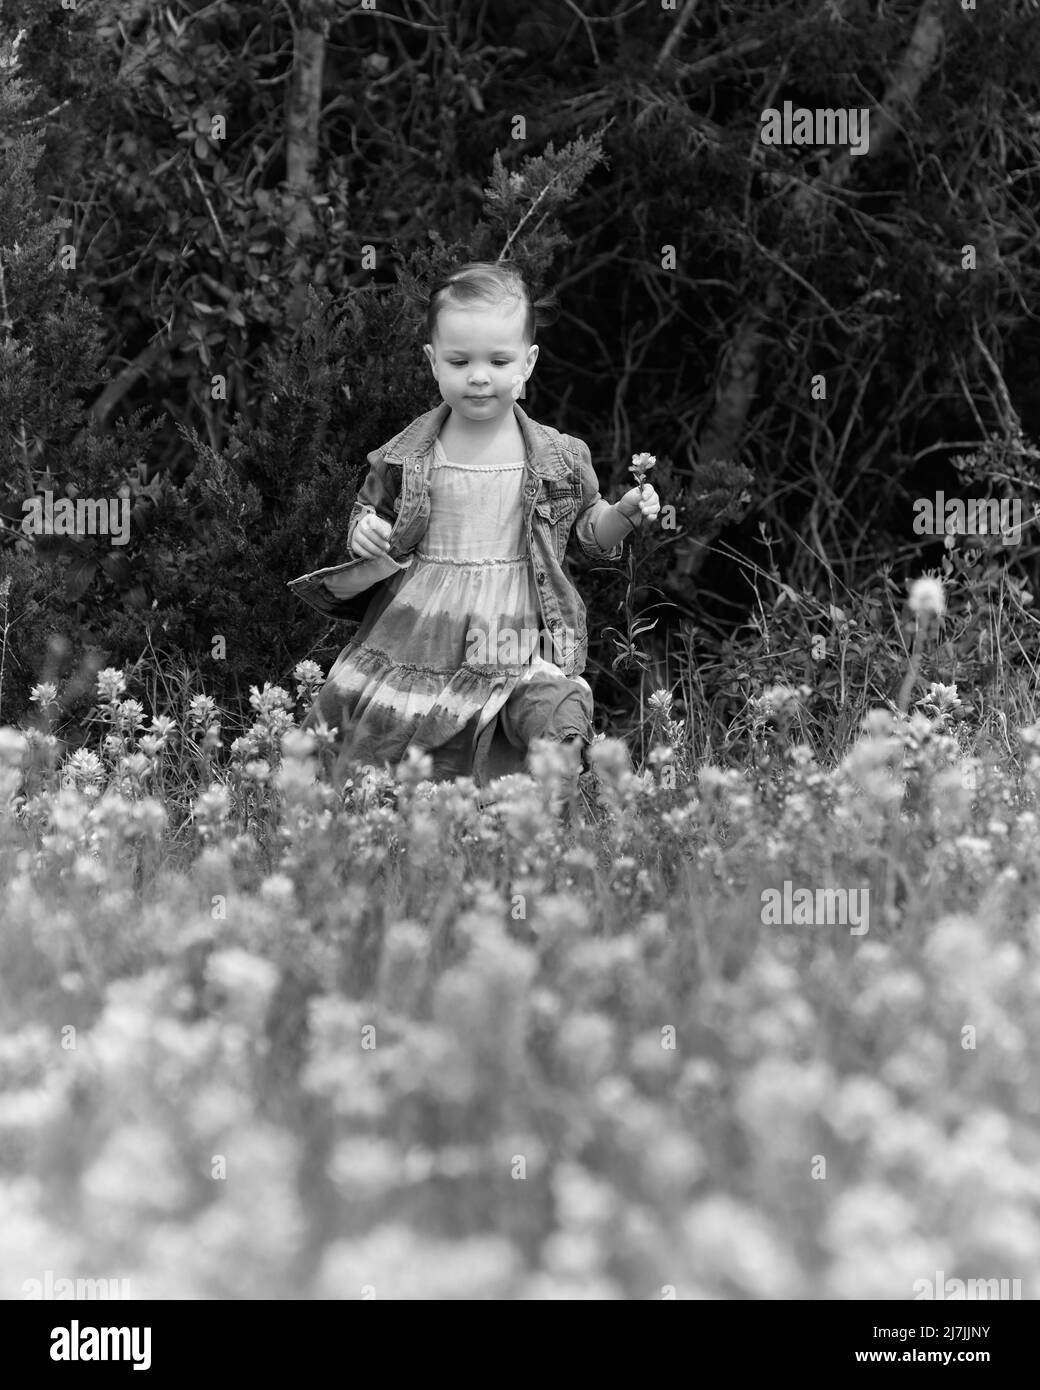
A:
(560, 494)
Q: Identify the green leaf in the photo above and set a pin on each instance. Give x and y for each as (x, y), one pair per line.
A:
(117, 567)
(171, 70)
(79, 576)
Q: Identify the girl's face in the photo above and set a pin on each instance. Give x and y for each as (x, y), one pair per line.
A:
(480, 360)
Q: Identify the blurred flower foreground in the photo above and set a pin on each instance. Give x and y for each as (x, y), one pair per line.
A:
(266, 1037)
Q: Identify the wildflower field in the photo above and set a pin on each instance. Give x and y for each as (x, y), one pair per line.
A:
(746, 1006)
(266, 1037)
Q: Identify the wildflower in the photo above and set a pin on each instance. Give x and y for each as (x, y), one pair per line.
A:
(269, 700)
(112, 815)
(661, 702)
(212, 805)
(296, 781)
(371, 785)
(553, 765)
(136, 765)
(298, 743)
(801, 755)
(247, 981)
(309, 680)
(585, 1046)
(111, 683)
(67, 813)
(279, 890)
(878, 723)
(271, 727)
(927, 596)
(871, 1235)
(943, 698)
(366, 1166)
(211, 740)
(149, 817)
(257, 770)
(307, 674)
(641, 465)
(44, 694)
(713, 778)
(610, 758)
(861, 1107)
(918, 729)
(201, 709)
(324, 734)
(1030, 735)
(579, 858)
(83, 770)
(415, 767)
(781, 700)
(581, 1199)
(34, 738)
(734, 1246)
(130, 714)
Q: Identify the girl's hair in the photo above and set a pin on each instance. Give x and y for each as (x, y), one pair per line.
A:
(488, 282)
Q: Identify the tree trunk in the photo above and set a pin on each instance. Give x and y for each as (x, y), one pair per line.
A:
(302, 114)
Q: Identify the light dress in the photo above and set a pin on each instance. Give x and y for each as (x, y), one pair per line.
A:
(451, 655)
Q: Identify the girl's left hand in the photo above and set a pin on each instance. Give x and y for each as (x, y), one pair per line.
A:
(638, 503)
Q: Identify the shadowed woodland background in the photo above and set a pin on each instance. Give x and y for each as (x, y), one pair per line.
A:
(363, 150)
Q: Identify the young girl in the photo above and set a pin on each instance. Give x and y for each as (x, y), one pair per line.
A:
(473, 638)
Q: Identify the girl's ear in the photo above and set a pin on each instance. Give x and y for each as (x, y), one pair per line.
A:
(532, 358)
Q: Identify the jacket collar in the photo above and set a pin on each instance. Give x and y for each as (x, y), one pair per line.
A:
(544, 457)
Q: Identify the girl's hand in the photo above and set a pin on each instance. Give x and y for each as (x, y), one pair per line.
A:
(370, 540)
(638, 503)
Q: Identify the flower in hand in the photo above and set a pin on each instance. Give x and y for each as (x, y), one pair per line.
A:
(641, 501)
(641, 465)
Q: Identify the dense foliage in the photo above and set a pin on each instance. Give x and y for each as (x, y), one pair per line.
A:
(252, 192)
